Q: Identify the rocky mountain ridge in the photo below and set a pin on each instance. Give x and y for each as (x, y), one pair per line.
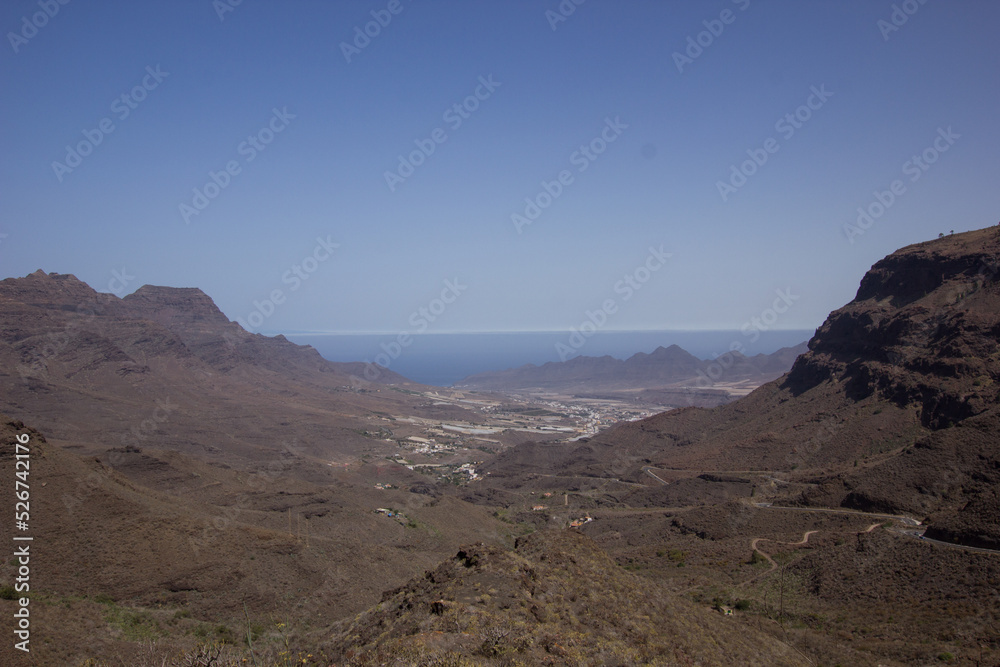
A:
(664, 367)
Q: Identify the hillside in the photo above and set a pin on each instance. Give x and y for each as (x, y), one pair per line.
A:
(165, 365)
(156, 545)
(194, 483)
(183, 467)
(555, 599)
(893, 407)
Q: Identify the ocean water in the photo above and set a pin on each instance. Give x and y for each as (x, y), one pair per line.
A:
(442, 359)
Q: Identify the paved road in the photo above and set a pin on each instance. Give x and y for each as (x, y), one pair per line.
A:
(909, 521)
(649, 471)
(915, 531)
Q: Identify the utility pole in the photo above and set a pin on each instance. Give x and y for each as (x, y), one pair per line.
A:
(781, 599)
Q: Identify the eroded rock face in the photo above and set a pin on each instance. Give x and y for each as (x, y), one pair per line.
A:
(974, 525)
(923, 330)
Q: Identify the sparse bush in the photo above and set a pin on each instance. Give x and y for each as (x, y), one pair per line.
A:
(494, 638)
(7, 593)
(225, 634)
(134, 625)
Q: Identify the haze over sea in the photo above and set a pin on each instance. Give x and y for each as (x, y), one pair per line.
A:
(442, 359)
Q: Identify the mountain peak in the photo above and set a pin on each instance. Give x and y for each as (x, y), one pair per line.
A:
(171, 305)
(55, 291)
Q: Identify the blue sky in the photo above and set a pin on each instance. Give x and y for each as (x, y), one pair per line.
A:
(203, 85)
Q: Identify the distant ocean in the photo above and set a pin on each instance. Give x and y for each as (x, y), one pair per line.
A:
(442, 359)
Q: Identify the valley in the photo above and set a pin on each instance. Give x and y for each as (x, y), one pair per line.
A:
(196, 487)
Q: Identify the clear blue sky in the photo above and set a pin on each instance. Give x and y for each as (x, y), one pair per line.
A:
(323, 175)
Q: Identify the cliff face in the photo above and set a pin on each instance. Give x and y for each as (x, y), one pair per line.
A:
(922, 331)
(869, 407)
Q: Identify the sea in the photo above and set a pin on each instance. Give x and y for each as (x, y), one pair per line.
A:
(442, 359)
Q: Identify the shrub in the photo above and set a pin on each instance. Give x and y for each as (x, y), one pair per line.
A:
(7, 593)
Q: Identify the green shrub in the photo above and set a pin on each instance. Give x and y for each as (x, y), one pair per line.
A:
(7, 593)
(135, 625)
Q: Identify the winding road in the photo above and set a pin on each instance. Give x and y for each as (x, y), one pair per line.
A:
(774, 566)
(915, 530)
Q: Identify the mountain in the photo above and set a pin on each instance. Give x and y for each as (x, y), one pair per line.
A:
(182, 468)
(165, 362)
(893, 408)
(192, 483)
(668, 369)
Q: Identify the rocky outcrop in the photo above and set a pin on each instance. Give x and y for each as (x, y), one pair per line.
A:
(923, 330)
